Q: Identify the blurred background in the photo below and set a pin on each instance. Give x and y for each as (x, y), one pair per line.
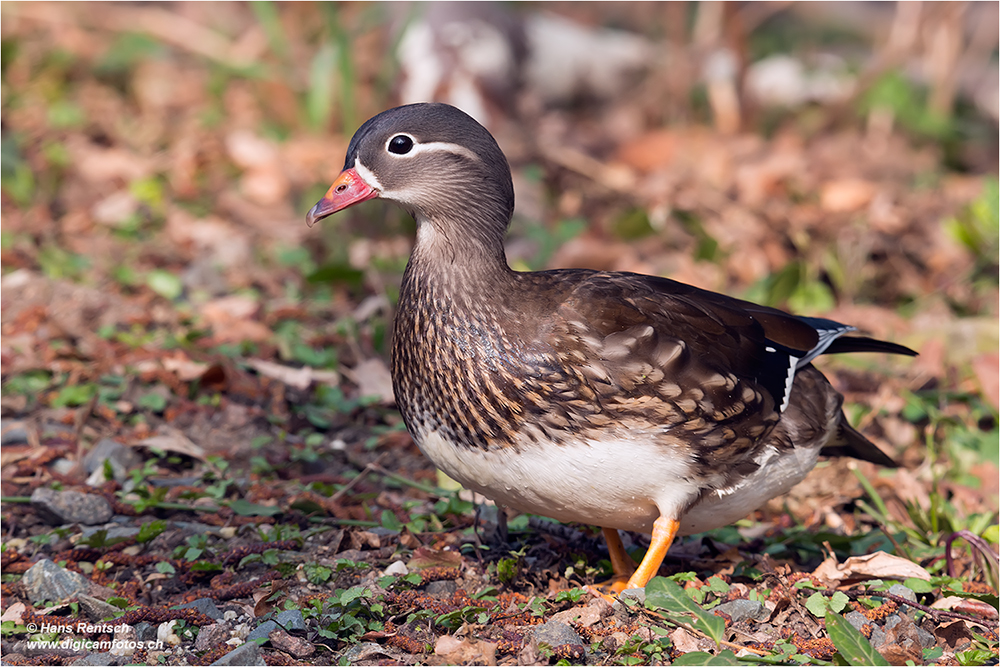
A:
(834, 158)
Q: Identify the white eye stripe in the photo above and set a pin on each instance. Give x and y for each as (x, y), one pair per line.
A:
(428, 147)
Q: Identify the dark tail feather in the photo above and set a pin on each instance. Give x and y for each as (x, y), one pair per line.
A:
(849, 442)
(863, 344)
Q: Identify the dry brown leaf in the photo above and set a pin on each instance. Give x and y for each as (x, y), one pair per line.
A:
(425, 557)
(300, 378)
(171, 440)
(846, 195)
(13, 613)
(373, 379)
(465, 651)
(297, 647)
(185, 369)
(987, 370)
(953, 634)
(650, 151)
(229, 318)
(684, 641)
(878, 565)
(967, 606)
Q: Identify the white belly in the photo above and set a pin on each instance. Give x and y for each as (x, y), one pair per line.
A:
(776, 476)
(611, 483)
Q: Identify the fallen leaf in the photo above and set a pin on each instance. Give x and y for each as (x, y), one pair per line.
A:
(300, 378)
(185, 369)
(13, 613)
(846, 195)
(987, 370)
(684, 641)
(465, 651)
(171, 440)
(425, 557)
(878, 565)
(373, 379)
(297, 647)
(953, 634)
(966, 606)
(650, 151)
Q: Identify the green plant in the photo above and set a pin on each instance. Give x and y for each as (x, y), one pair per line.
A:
(350, 613)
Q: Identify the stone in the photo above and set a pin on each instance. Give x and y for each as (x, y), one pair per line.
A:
(100, 659)
(363, 651)
(262, 631)
(246, 654)
(903, 592)
(857, 619)
(205, 606)
(61, 507)
(444, 588)
(397, 569)
(120, 458)
(124, 643)
(63, 466)
(740, 610)
(145, 632)
(291, 620)
(583, 616)
(47, 581)
(554, 633)
(635, 593)
(96, 610)
(14, 434)
(210, 636)
(294, 646)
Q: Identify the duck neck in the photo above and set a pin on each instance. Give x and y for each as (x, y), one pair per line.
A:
(458, 258)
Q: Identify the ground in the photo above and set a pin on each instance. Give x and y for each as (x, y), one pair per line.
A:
(197, 408)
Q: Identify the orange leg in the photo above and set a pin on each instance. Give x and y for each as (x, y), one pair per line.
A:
(621, 563)
(664, 531)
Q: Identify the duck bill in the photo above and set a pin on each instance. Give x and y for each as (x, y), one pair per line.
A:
(349, 189)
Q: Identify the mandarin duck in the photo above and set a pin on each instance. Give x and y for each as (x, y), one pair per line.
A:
(626, 401)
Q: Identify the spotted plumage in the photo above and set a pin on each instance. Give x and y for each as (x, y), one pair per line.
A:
(623, 400)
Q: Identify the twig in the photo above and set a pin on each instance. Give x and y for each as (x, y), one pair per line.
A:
(371, 467)
(937, 614)
(81, 420)
(430, 490)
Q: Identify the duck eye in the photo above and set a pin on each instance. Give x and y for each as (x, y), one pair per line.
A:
(400, 144)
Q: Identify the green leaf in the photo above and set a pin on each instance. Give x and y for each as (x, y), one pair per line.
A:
(666, 594)
(153, 401)
(817, 605)
(247, 508)
(74, 395)
(918, 585)
(164, 283)
(148, 531)
(850, 643)
(702, 658)
(390, 521)
(839, 602)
